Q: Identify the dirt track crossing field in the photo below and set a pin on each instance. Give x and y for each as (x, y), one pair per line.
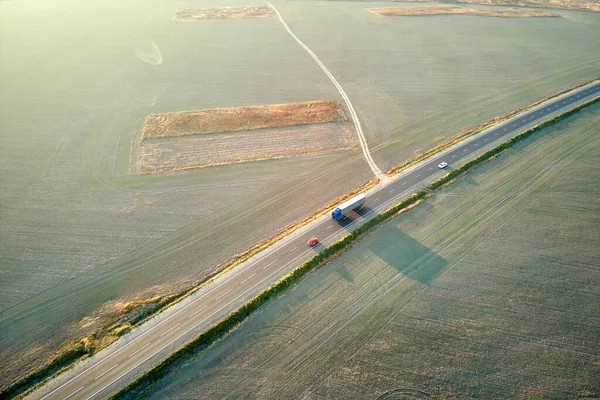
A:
(488, 289)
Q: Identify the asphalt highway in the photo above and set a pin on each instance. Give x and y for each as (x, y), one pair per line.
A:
(137, 352)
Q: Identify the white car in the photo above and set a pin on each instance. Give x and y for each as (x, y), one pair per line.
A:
(443, 165)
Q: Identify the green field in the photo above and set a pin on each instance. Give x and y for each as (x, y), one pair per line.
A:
(79, 230)
(415, 81)
(488, 289)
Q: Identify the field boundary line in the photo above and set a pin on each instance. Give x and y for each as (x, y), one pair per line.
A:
(361, 137)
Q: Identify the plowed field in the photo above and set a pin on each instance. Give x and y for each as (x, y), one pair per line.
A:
(180, 153)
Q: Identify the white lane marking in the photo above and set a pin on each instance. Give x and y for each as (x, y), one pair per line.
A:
(196, 325)
(486, 139)
(247, 278)
(224, 294)
(454, 156)
(465, 150)
(330, 226)
(73, 393)
(175, 313)
(430, 169)
(138, 350)
(374, 200)
(197, 311)
(475, 145)
(505, 129)
(162, 322)
(357, 126)
(293, 249)
(391, 191)
(170, 329)
(269, 264)
(168, 344)
(106, 372)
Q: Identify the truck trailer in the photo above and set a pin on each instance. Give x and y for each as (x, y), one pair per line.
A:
(347, 206)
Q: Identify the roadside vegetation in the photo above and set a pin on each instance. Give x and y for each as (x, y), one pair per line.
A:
(184, 356)
(127, 316)
(133, 313)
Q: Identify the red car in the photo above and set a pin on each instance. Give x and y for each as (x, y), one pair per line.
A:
(313, 241)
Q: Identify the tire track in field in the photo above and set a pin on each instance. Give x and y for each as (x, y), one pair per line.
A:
(361, 137)
(495, 211)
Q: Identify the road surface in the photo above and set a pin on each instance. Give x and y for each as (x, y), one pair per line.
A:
(137, 352)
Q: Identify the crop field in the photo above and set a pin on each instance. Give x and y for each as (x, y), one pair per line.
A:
(488, 289)
(455, 10)
(417, 81)
(180, 153)
(223, 13)
(82, 232)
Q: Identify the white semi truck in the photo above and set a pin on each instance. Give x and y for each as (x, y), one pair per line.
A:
(347, 206)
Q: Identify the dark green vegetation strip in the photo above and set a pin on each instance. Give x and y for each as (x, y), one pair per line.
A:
(137, 388)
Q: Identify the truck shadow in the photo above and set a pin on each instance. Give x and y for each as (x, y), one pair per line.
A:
(354, 215)
(406, 255)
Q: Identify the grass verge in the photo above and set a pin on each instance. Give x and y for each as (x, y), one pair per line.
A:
(137, 388)
(132, 314)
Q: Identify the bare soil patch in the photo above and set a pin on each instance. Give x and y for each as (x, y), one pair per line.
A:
(180, 153)
(194, 14)
(576, 5)
(234, 119)
(456, 10)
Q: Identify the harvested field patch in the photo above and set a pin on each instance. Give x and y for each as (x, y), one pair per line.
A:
(194, 14)
(178, 153)
(236, 119)
(456, 10)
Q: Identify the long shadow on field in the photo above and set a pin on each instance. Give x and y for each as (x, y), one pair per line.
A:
(408, 256)
(344, 273)
(353, 216)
